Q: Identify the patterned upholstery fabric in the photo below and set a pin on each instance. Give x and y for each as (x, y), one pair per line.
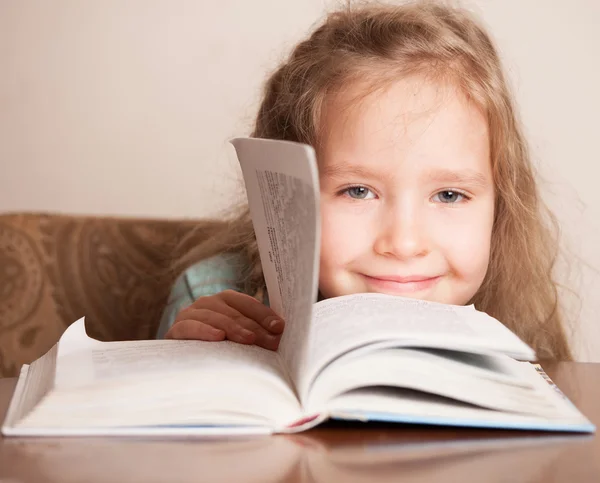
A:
(54, 269)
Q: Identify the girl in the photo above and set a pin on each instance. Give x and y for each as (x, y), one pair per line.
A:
(427, 188)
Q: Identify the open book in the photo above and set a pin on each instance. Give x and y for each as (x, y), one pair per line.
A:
(358, 357)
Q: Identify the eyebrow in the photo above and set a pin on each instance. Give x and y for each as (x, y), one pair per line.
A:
(466, 176)
(341, 170)
(441, 175)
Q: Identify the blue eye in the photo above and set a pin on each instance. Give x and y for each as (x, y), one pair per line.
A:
(449, 196)
(359, 193)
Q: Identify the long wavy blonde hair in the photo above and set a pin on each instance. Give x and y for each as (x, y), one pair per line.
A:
(380, 44)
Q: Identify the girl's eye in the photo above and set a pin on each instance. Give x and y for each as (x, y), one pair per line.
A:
(450, 196)
(359, 193)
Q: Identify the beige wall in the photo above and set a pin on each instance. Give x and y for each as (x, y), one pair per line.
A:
(118, 107)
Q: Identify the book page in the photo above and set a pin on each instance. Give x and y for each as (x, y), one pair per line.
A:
(35, 381)
(164, 382)
(401, 405)
(168, 382)
(282, 186)
(156, 358)
(345, 323)
(489, 381)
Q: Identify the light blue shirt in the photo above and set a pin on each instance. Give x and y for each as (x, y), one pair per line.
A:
(207, 277)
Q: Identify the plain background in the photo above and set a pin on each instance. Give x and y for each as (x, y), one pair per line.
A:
(126, 107)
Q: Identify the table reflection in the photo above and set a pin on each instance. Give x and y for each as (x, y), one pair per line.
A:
(349, 454)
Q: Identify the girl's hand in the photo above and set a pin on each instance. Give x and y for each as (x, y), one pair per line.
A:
(229, 315)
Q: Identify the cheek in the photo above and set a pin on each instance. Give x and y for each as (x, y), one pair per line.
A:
(344, 235)
(471, 256)
(465, 243)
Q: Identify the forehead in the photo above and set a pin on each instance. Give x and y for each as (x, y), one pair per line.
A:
(411, 123)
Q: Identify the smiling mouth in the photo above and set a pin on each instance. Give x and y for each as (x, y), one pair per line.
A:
(409, 284)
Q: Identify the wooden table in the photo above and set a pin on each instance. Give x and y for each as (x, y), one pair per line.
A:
(351, 453)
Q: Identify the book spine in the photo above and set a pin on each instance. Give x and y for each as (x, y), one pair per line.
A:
(304, 423)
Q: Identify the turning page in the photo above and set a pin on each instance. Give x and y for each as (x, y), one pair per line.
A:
(283, 195)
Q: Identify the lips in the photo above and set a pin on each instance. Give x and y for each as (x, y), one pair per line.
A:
(401, 285)
(411, 278)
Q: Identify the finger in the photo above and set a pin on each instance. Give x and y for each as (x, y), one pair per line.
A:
(253, 309)
(263, 337)
(236, 326)
(234, 330)
(196, 330)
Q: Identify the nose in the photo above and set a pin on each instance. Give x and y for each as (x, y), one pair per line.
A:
(401, 233)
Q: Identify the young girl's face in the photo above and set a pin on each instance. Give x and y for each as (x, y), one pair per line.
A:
(407, 196)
